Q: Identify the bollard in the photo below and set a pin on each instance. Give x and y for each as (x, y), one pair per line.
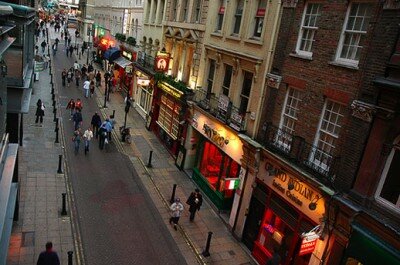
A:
(206, 252)
(173, 194)
(105, 97)
(52, 98)
(70, 257)
(59, 170)
(57, 119)
(56, 141)
(55, 114)
(113, 113)
(80, 55)
(149, 164)
(51, 78)
(64, 210)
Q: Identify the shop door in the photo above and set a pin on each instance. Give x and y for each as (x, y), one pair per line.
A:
(254, 218)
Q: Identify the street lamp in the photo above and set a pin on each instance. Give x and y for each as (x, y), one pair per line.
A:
(88, 48)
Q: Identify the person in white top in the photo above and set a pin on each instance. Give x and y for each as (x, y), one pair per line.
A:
(76, 66)
(86, 87)
(87, 136)
(176, 211)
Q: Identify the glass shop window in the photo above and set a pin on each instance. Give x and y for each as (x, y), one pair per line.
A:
(216, 167)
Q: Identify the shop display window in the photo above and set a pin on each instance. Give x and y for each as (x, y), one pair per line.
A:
(216, 167)
(276, 235)
(168, 117)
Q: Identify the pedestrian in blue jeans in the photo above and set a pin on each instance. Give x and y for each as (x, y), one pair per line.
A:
(77, 140)
(87, 136)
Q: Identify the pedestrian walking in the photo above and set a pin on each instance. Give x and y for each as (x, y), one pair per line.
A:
(71, 107)
(102, 134)
(66, 40)
(69, 41)
(43, 45)
(76, 65)
(71, 50)
(91, 75)
(70, 75)
(77, 118)
(64, 76)
(87, 136)
(76, 139)
(176, 211)
(98, 79)
(54, 48)
(49, 256)
(86, 88)
(96, 123)
(194, 201)
(62, 34)
(78, 105)
(44, 32)
(56, 41)
(77, 77)
(90, 68)
(91, 88)
(112, 122)
(39, 111)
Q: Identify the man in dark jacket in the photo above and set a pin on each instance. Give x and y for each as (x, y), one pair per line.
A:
(48, 257)
(77, 118)
(195, 201)
(96, 122)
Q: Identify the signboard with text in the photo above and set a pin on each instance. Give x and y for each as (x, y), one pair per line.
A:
(161, 62)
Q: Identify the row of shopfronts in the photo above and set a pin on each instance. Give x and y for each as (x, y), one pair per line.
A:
(268, 203)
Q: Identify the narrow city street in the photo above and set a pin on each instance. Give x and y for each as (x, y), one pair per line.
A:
(118, 221)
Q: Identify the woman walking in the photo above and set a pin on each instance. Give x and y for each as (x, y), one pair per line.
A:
(71, 107)
(176, 211)
(39, 111)
(91, 88)
(77, 140)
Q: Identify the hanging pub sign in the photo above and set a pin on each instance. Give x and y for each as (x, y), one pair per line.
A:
(309, 241)
(223, 107)
(161, 62)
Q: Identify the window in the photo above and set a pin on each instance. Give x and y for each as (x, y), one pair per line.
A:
(185, 7)
(308, 29)
(245, 94)
(227, 80)
(173, 10)
(154, 17)
(168, 118)
(221, 13)
(238, 17)
(210, 79)
(388, 189)
(327, 136)
(288, 119)
(259, 18)
(196, 11)
(161, 15)
(353, 35)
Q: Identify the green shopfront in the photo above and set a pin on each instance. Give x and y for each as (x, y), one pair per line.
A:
(366, 248)
(217, 165)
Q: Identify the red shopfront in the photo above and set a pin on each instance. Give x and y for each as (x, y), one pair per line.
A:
(282, 209)
(168, 119)
(124, 66)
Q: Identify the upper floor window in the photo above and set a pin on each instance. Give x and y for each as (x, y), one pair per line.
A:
(238, 17)
(259, 18)
(173, 10)
(327, 136)
(210, 78)
(185, 10)
(388, 190)
(288, 118)
(245, 93)
(353, 34)
(154, 17)
(161, 14)
(227, 80)
(196, 11)
(221, 13)
(309, 27)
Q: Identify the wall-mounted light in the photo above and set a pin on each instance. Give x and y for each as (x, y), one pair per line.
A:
(313, 204)
(3, 68)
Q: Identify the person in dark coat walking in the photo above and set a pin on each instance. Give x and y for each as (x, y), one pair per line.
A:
(71, 50)
(77, 118)
(194, 201)
(48, 257)
(96, 123)
(39, 111)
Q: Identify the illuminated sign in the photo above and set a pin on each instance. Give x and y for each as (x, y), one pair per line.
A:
(215, 136)
(127, 55)
(161, 62)
(106, 42)
(143, 81)
(309, 241)
(170, 90)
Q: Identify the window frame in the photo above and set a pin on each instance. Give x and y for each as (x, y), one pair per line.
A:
(303, 28)
(227, 79)
(243, 96)
(255, 33)
(383, 178)
(220, 16)
(212, 79)
(338, 58)
(238, 17)
(312, 157)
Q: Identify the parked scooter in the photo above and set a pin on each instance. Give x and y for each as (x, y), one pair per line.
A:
(125, 134)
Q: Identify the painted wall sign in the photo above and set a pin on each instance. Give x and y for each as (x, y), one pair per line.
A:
(170, 90)
(296, 192)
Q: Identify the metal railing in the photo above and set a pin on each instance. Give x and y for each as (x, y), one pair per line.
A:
(313, 159)
(145, 60)
(231, 117)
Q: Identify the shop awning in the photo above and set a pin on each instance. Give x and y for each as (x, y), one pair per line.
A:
(121, 61)
(111, 54)
(369, 249)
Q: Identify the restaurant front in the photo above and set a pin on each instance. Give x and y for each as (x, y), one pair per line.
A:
(216, 151)
(285, 216)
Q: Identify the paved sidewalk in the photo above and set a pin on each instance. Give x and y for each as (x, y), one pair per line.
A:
(191, 237)
(40, 187)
